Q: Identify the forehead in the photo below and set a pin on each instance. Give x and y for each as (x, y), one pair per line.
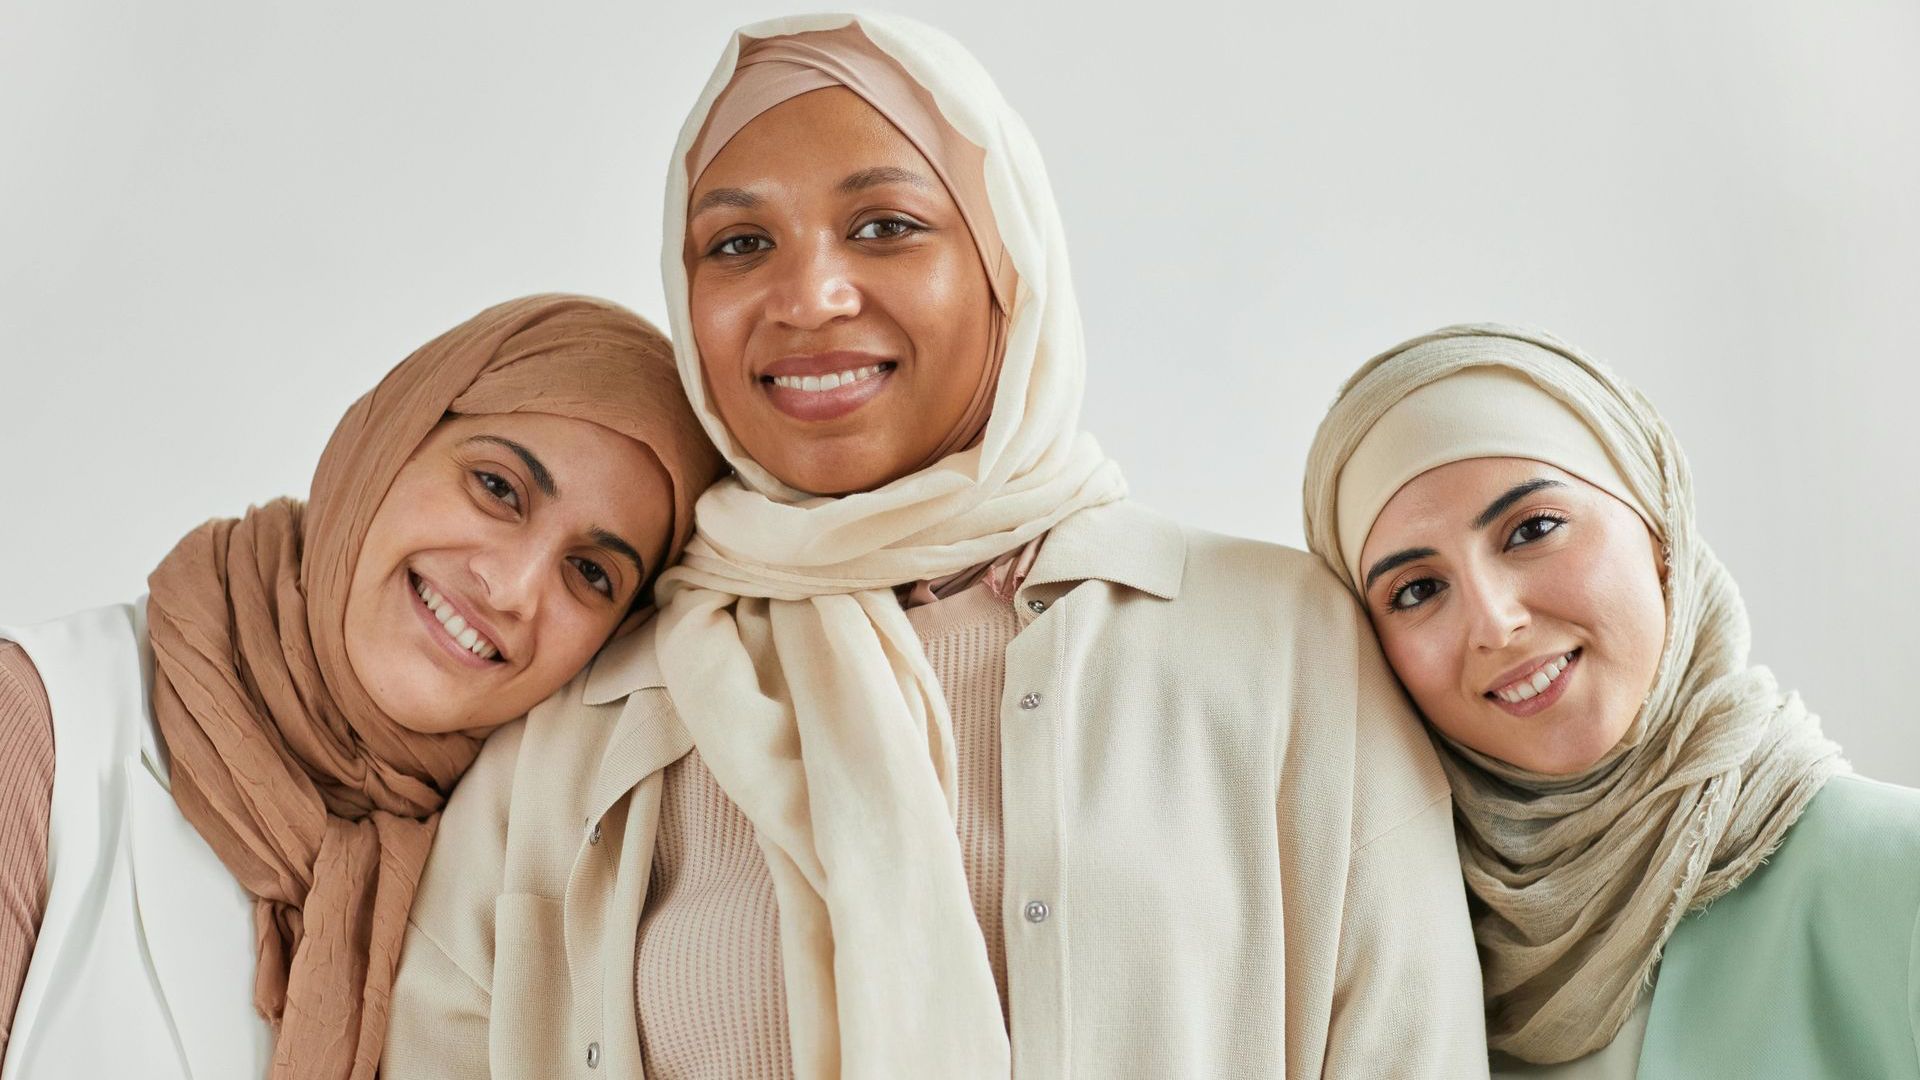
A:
(823, 133)
(1442, 502)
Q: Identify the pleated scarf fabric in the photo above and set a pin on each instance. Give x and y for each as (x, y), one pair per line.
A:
(319, 804)
(1579, 880)
(783, 645)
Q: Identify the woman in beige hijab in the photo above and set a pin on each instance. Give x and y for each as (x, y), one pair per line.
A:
(234, 781)
(945, 759)
(1673, 872)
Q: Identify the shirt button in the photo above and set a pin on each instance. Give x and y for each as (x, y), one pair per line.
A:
(593, 1055)
(593, 835)
(1037, 911)
(1036, 606)
(1030, 700)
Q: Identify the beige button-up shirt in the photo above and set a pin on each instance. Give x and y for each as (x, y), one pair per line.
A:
(1229, 847)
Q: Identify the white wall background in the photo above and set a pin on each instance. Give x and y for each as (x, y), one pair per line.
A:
(221, 221)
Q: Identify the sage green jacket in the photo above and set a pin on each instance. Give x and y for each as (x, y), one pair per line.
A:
(1810, 970)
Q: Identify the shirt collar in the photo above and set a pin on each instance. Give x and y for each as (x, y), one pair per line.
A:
(625, 666)
(1121, 542)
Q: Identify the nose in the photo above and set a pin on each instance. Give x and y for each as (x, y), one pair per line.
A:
(511, 576)
(816, 286)
(1496, 612)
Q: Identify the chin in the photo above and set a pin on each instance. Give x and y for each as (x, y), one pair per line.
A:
(835, 475)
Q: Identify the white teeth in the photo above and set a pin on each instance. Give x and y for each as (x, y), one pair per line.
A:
(1536, 684)
(456, 627)
(815, 384)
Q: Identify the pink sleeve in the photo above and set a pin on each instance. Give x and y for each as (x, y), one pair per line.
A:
(26, 800)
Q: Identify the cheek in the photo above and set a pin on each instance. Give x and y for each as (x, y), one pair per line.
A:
(568, 636)
(380, 554)
(1427, 665)
(719, 325)
(1617, 592)
(945, 309)
(721, 329)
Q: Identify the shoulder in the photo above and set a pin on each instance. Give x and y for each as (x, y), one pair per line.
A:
(1270, 636)
(1334, 668)
(1847, 872)
(1853, 824)
(1236, 570)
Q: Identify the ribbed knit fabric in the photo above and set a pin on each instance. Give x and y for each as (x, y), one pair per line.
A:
(26, 800)
(712, 1004)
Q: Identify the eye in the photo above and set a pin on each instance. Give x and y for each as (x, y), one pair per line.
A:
(1412, 594)
(498, 487)
(596, 577)
(742, 246)
(1534, 528)
(887, 228)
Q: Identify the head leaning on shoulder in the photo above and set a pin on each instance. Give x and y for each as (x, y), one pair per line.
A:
(1518, 523)
(480, 523)
(1502, 505)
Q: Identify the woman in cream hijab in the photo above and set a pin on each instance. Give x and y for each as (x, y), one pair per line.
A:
(944, 758)
(1673, 873)
(219, 797)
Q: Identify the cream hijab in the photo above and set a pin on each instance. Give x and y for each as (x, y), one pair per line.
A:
(1579, 880)
(787, 655)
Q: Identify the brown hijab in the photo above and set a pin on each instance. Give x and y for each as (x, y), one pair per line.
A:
(319, 804)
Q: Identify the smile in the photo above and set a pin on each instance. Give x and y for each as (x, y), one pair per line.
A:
(1541, 680)
(826, 386)
(833, 380)
(453, 627)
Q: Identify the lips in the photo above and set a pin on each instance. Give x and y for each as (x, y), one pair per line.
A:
(825, 386)
(1533, 688)
(449, 624)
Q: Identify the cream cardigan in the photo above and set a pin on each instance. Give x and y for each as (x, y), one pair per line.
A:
(1229, 847)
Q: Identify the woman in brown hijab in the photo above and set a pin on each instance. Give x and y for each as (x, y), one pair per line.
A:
(252, 759)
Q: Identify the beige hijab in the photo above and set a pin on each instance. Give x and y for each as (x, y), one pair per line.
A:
(319, 804)
(787, 654)
(1579, 880)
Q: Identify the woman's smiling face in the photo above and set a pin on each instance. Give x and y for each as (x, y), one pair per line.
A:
(1521, 606)
(838, 300)
(506, 552)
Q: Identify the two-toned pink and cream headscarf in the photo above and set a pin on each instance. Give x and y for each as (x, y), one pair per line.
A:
(1579, 880)
(787, 654)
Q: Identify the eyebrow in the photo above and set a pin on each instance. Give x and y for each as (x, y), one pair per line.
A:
(613, 543)
(1514, 494)
(737, 198)
(542, 479)
(1395, 561)
(883, 174)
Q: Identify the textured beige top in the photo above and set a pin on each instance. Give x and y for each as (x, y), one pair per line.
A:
(26, 799)
(1227, 846)
(707, 969)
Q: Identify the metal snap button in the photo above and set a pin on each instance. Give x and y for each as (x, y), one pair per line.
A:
(1037, 911)
(1031, 700)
